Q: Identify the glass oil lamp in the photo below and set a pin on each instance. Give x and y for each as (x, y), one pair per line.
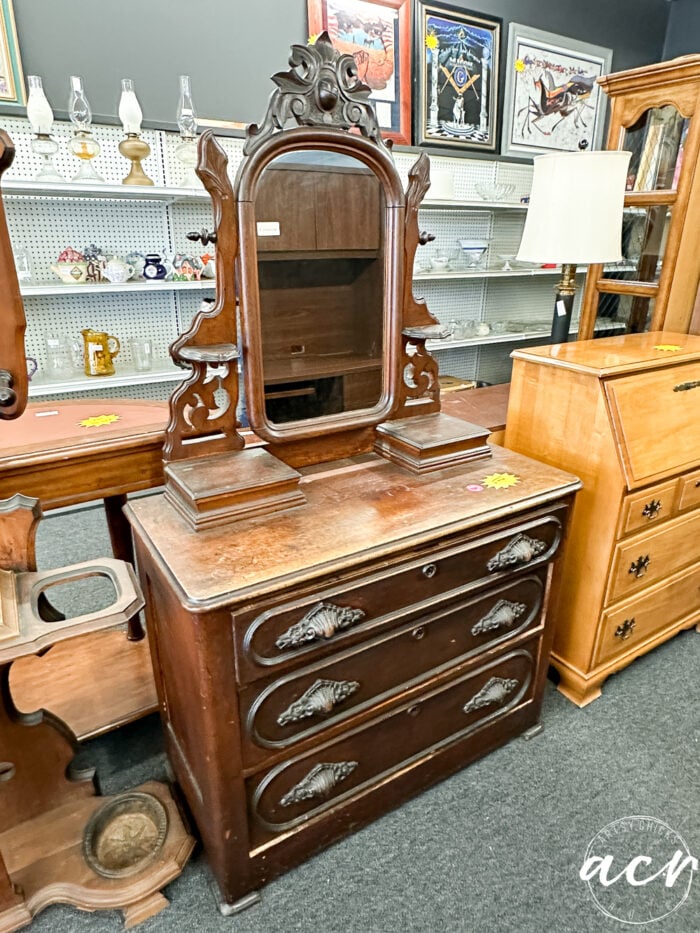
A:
(133, 147)
(40, 116)
(186, 150)
(83, 145)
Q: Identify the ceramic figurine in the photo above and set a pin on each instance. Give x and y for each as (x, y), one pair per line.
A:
(153, 268)
(208, 266)
(96, 261)
(117, 271)
(185, 269)
(71, 266)
(138, 261)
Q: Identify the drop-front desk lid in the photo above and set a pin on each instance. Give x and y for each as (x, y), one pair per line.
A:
(359, 509)
(616, 356)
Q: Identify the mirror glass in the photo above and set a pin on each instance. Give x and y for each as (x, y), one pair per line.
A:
(320, 253)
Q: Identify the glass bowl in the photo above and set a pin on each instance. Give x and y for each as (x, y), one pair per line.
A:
(494, 191)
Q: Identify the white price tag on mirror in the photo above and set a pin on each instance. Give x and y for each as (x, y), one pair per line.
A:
(268, 228)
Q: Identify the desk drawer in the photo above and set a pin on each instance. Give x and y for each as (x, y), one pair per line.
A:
(286, 634)
(295, 791)
(312, 700)
(649, 557)
(689, 491)
(631, 623)
(647, 508)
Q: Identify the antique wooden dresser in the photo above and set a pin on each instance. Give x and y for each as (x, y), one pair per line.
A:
(622, 412)
(358, 609)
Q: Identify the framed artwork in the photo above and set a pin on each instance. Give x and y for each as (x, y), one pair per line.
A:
(377, 33)
(552, 101)
(11, 78)
(457, 61)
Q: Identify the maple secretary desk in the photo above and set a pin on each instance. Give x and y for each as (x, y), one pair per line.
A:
(358, 609)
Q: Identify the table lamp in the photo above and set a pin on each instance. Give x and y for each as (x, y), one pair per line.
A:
(574, 218)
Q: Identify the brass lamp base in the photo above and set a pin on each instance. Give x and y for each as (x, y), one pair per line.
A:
(564, 303)
(135, 149)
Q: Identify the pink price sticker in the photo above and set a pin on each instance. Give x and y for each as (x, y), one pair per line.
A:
(475, 487)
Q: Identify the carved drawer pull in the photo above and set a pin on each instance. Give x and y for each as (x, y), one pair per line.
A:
(651, 509)
(639, 567)
(322, 621)
(493, 692)
(685, 386)
(429, 571)
(321, 697)
(502, 615)
(520, 550)
(625, 630)
(318, 782)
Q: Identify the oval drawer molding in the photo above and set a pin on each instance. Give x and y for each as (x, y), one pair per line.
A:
(322, 621)
(318, 782)
(521, 550)
(492, 693)
(504, 614)
(320, 698)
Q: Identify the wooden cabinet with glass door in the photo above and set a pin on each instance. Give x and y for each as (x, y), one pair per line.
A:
(654, 288)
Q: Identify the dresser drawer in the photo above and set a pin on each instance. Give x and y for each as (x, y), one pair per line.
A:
(298, 790)
(661, 606)
(312, 700)
(296, 630)
(648, 507)
(688, 491)
(655, 555)
(657, 421)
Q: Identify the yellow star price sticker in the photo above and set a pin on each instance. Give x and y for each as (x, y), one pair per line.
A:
(96, 421)
(668, 347)
(501, 480)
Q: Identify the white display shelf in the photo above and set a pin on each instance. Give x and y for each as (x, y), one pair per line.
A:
(106, 192)
(105, 288)
(434, 205)
(483, 274)
(510, 337)
(162, 373)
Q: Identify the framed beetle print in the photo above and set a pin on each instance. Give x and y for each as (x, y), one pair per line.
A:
(456, 77)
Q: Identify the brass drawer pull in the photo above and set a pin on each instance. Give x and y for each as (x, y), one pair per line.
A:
(493, 692)
(322, 621)
(321, 697)
(318, 782)
(521, 550)
(685, 386)
(418, 632)
(651, 509)
(502, 615)
(625, 630)
(429, 571)
(639, 567)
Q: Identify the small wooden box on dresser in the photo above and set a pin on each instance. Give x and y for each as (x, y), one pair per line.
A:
(623, 413)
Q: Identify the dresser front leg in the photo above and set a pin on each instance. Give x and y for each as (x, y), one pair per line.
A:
(577, 689)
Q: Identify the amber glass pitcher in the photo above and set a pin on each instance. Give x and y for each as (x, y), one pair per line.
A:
(99, 350)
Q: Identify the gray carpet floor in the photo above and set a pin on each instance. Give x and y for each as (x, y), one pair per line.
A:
(497, 847)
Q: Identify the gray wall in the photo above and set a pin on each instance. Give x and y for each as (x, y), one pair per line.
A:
(231, 47)
(683, 35)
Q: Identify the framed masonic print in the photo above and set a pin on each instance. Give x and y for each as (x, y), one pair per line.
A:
(456, 63)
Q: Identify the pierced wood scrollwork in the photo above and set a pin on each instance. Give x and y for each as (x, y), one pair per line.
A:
(204, 405)
(320, 699)
(318, 782)
(322, 88)
(502, 615)
(521, 550)
(494, 692)
(322, 621)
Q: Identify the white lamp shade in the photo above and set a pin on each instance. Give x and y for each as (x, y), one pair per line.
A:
(129, 109)
(575, 211)
(39, 112)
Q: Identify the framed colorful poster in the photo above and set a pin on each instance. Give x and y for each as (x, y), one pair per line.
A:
(552, 101)
(377, 33)
(11, 77)
(456, 60)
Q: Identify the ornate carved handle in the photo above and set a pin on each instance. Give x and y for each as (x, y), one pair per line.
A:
(686, 386)
(639, 566)
(493, 692)
(520, 550)
(625, 630)
(8, 396)
(651, 509)
(322, 621)
(502, 615)
(424, 237)
(321, 697)
(204, 236)
(318, 782)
